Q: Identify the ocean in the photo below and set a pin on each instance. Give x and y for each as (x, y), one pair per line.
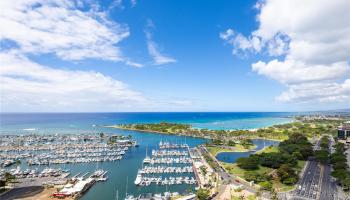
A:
(22, 123)
(123, 173)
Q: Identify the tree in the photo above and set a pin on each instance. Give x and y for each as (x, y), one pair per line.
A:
(322, 155)
(249, 163)
(346, 183)
(247, 143)
(2, 183)
(203, 170)
(8, 176)
(287, 174)
(231, 143)
(256, 177)
(202, 194)
(266, 185)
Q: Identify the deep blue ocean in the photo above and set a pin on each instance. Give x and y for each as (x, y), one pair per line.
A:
(126, 169)
(21, 123)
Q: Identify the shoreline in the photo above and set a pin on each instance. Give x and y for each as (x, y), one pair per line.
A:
(151, 131)
(193, 136)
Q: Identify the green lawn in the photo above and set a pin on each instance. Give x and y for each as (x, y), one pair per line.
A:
(214, 150)
(233, 169)
(240, 148)
(269, 149)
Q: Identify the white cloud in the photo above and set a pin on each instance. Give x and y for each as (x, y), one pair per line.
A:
(61, 28)
(58, 27)
(313, 39)
(153, 49)
(293, 72)
(323, 92)
(31, 86)
(240, 43)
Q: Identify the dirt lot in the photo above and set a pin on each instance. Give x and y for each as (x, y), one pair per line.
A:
(44, 195)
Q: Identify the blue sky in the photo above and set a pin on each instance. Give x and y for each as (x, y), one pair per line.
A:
(170, 56)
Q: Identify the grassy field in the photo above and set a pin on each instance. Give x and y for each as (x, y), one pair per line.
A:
(214, 150)
(233, 169)
(268, 149)
(240, 148)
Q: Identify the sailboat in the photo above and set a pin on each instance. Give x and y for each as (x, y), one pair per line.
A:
(128, 196)
(147, 158)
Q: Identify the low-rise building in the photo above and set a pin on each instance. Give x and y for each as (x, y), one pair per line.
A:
(344, 131)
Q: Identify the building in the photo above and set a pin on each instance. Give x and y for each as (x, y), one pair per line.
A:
(344, 131)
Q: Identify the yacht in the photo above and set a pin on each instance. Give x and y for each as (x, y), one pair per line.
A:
(138, 179)
(130, 197)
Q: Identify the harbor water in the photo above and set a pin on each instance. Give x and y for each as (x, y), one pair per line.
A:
(122, 173)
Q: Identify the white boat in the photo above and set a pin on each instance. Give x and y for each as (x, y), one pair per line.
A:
(147, 160)
(130, 197)
(138, 179)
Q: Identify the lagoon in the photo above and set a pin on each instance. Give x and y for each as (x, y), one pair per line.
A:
(231, 157)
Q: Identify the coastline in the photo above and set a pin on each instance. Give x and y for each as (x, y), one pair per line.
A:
(193, 136)
(151, 131)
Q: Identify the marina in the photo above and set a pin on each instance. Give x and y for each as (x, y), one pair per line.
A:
(60, 131)
(169, 163)
(61, 149)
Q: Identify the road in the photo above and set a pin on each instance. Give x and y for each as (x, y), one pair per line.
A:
(316, 182)
(228, 179)
(328, 187)
(308, 186)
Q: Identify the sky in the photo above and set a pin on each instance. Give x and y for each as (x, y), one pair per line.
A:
(184, 55)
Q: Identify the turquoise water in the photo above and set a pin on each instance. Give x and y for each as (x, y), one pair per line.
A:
(83, 122)
(121, 171)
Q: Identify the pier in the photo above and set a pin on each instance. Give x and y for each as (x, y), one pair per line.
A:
(168, 165)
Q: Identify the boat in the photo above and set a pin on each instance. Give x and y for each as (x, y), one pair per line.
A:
(130, 197)
(138, 179)
(147, 158)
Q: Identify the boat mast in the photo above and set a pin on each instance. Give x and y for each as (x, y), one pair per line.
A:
(116, 195)
(126, 188)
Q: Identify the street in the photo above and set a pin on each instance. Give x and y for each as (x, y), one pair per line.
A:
(308, 185)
